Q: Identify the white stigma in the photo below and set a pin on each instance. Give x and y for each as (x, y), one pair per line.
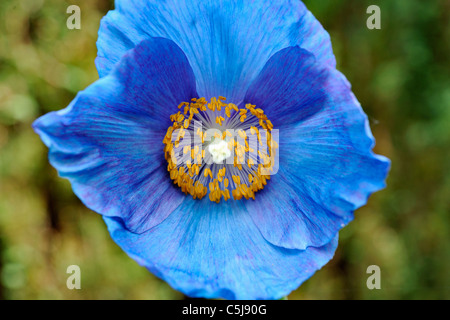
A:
(219, 150)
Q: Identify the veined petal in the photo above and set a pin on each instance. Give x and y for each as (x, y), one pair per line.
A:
(227, 42)
(216, 251)
(108, 141)
(288, 216)
(327, 167)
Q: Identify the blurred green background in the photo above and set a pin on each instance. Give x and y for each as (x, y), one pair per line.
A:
(400, 74)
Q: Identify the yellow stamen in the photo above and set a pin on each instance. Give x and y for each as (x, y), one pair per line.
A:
(249, 178)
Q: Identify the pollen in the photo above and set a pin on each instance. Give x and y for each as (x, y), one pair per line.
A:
(218, 150)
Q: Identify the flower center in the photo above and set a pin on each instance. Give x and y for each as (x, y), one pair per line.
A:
(219, 150)
(214, 148)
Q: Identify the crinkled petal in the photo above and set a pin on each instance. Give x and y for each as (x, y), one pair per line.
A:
(227, 42)
(216, 251)
(327, 168)
(108, 141)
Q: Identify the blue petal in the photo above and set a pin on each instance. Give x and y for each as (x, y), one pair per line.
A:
(327, 168)
(216, 251)
(227, 42)
(108, 141)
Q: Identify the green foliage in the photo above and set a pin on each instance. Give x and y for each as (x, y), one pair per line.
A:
(400, 74)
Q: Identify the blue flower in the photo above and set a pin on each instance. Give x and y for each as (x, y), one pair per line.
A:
(218, 229)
